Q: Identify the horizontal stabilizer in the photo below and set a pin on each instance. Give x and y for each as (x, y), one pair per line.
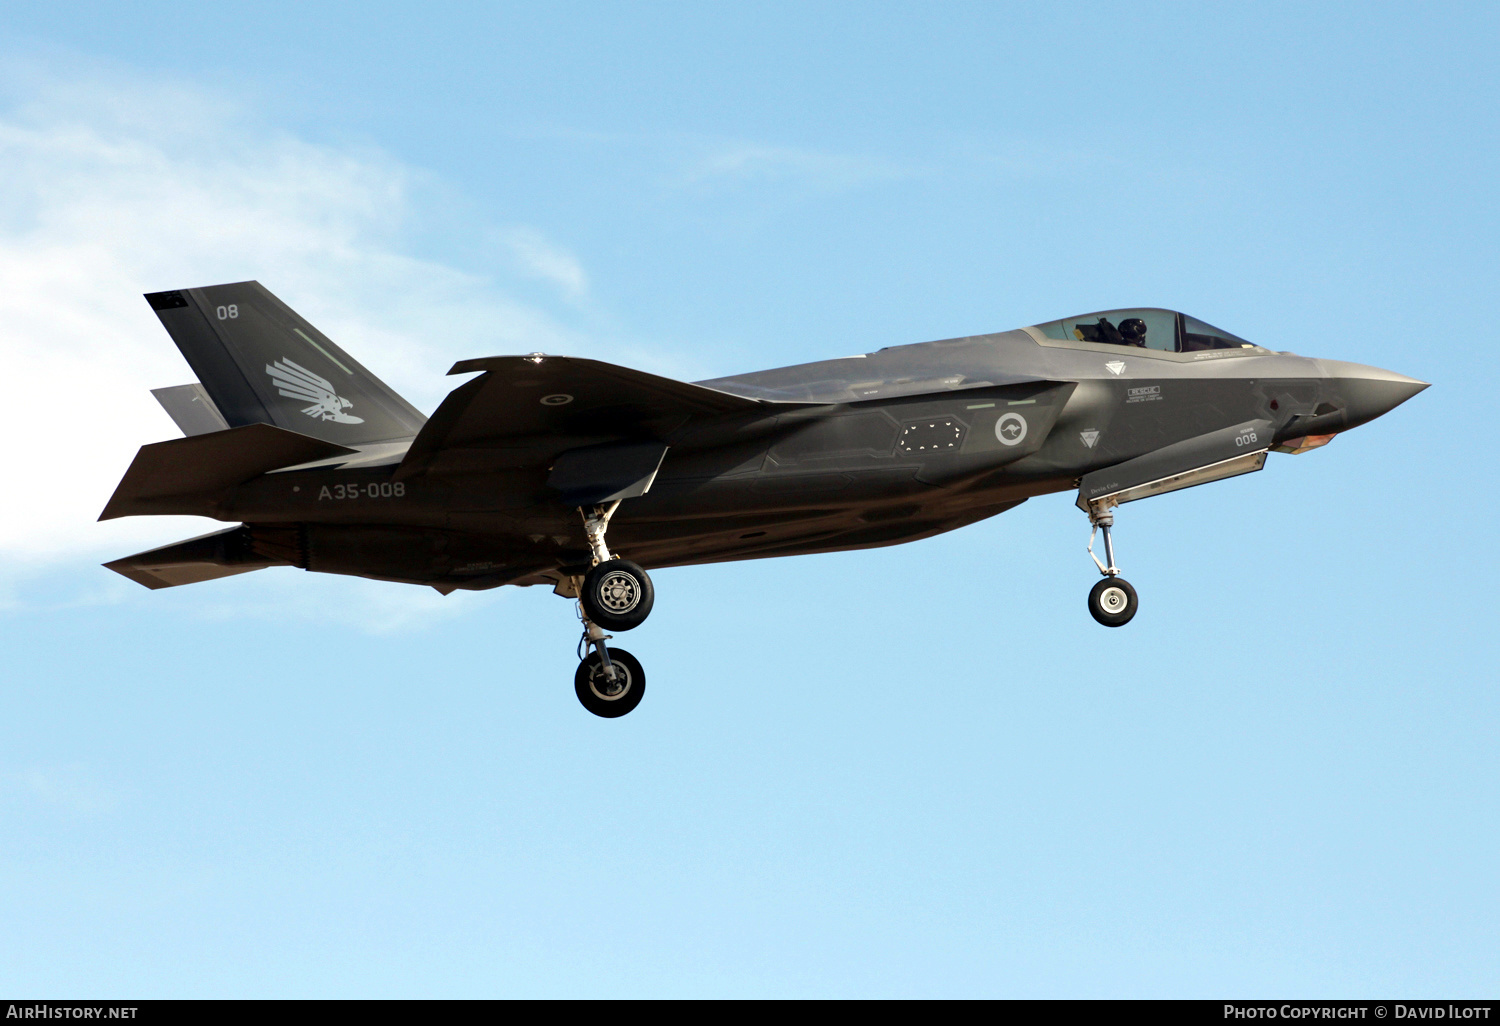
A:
(1194, 461)
(206, 558)
(184, 475)
(597, 474)
(191, 409)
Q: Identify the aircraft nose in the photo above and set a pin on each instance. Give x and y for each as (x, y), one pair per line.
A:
(1367, 392)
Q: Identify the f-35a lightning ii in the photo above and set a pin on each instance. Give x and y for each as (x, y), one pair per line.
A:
(523, 471)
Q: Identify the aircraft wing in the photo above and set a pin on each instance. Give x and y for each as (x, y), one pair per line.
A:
(523, 410)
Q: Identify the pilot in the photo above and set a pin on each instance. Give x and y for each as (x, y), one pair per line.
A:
(1133, 332)
(1107, 332)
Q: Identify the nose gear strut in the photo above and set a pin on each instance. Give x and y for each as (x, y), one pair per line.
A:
(1102, 517)
(1112, 601)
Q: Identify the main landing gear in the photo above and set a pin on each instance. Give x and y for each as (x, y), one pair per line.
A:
(616, 595)
(1112, 601)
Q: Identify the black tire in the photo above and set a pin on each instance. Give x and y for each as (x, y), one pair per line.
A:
(594, 690)
(1113, 602)
(617, 595)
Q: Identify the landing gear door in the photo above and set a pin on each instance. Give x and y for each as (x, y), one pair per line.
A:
(1212, 457)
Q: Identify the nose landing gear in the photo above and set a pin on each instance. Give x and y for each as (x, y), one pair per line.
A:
(617, 595)
(1112, 601)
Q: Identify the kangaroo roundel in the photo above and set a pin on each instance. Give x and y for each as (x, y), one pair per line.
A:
(1010, 429)
(297, 382)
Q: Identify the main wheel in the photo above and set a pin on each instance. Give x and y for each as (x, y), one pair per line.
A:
(604, 697)
(617, 595)
(1112, 602)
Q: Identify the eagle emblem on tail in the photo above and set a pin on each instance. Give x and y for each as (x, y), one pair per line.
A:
(297, 382)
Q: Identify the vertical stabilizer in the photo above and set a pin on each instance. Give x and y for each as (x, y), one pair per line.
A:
(263, 364)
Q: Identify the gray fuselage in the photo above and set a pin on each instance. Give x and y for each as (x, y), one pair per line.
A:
(870, 450)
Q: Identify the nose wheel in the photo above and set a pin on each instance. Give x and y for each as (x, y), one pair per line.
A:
(1112, 601)
(615, 595)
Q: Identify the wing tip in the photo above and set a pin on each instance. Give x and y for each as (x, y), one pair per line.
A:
(485, 363)
(471, 365)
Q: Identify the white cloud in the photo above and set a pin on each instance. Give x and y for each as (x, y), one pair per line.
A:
(536, 257)
(113, 188)
(73, 788)
(756, 163)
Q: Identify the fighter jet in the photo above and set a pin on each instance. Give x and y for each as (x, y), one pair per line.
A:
(582, 475)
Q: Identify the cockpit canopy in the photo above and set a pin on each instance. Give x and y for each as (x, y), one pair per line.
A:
(1166, 330)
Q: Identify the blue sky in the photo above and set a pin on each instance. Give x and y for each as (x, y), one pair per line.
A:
(916, 771)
